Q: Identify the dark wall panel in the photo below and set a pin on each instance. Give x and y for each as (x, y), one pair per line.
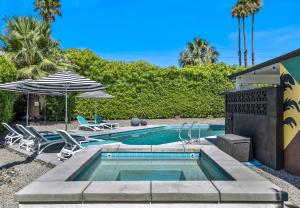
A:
(257, 113)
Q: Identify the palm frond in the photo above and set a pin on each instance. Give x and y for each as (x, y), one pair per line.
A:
(198, 52)
(29, 46)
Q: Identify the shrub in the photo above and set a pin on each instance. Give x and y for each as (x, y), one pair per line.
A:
(147, 91)
(8, 73)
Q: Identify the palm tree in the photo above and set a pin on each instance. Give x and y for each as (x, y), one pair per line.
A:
(235, 14)
(48, 9)
(199, 52)
(28, 44)
(254, 7)
(242, 10)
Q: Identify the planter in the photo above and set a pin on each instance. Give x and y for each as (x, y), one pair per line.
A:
(135, 122)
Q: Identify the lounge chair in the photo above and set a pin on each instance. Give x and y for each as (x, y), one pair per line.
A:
(34, 140)
(27, 142)
(72, 146)
(44, 140)
(13, 136)
(99, 120)
(85, 124)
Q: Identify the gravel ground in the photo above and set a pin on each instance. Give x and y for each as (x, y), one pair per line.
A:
(284, 180)
(16, 171)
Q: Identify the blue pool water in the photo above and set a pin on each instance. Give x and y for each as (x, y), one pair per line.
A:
(160, 135)
(151, 167)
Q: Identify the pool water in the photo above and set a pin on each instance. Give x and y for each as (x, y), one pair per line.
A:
(160, 135)
(151, 167)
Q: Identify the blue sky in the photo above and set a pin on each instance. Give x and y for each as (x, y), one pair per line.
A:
(157, 30)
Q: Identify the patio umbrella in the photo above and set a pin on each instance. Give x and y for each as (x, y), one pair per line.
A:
(95, 95)
(63, 82)
(15, 87)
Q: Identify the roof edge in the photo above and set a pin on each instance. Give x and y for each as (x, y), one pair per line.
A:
(267, 63)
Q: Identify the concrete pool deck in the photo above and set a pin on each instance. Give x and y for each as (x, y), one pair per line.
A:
(52, 126)
(54, 190)
(51, 158)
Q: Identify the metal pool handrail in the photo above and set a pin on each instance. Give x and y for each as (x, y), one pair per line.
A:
(190, 131)
(190, 128)
(180, 137)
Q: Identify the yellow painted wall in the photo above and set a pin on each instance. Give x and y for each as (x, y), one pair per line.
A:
(294, 94)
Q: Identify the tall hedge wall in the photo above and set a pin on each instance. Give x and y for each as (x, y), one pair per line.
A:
(148, 91)
(7, 99)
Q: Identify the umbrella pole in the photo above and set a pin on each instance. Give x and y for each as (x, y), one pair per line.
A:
(95, 106)
(66, 111)
(45, 110)
(27, 110)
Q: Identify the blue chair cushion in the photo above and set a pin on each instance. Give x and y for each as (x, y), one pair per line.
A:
(53, 137)
(98, 119)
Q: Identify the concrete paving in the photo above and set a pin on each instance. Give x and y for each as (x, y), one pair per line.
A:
(51, 157)
(118, 191)
(249, 191)
(52, 191)
(52, 126)
(158, 205)
(188, 191)
(66, 170)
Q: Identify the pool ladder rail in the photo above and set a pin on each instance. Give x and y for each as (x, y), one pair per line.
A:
(190, 138)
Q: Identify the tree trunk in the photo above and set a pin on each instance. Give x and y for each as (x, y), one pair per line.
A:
(239, 52)
(253, 58)
(245, 44)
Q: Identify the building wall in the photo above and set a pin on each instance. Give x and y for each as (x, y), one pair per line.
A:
(290, 80)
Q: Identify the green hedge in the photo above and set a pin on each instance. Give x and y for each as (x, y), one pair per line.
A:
(148, 91)
(8, 73)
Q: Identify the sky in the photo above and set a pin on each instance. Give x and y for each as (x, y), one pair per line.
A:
(157, 30)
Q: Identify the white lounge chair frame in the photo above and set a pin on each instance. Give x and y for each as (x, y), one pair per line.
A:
(95, 127)
(110, 125)
(13, 136)
(105, 123)
(43, 143)
(28, 140)
(71, 147)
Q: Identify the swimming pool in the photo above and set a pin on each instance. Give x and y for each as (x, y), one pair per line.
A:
(148, 166)
(160, 135)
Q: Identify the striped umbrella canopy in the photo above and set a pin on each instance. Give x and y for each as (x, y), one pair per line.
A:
(15, 87)
(95, 95)
(64, 82)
